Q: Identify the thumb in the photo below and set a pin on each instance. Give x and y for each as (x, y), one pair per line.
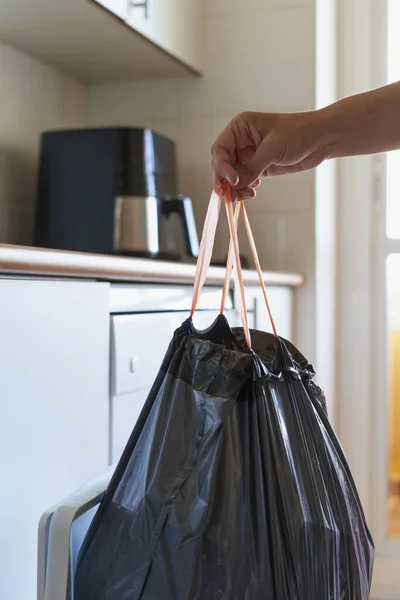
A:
(254, 168)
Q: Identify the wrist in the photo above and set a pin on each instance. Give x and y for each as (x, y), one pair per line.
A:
(329, 137)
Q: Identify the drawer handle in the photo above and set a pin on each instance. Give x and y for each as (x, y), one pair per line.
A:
(142, 4)
(133, 364)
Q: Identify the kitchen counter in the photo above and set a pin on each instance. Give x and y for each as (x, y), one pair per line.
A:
(26, 261)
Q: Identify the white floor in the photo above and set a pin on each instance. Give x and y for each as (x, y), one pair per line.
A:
(386, 582)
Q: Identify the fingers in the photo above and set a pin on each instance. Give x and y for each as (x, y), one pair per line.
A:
(224, 157)
(251, 172)
(225, 171)
(247, 194)
(256, 183)
(240, 157)
(256, 145)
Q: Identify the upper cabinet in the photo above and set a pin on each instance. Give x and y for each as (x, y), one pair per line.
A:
(98, 41)
(174, 25)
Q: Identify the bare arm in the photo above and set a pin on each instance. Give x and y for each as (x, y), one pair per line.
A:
(363, 124)
(258, 144)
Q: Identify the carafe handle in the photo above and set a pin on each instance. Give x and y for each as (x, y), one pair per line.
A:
(184, 208)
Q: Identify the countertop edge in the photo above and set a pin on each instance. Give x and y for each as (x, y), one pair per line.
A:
(25, 260)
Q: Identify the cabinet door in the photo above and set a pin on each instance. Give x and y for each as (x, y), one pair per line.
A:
(125, 411)
(54, 363)
(281, 303)
(174, 25)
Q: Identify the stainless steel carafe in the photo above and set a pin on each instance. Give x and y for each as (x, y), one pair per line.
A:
(155, 227)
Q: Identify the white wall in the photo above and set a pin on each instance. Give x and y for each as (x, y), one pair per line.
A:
(258, 55)
(33, 98)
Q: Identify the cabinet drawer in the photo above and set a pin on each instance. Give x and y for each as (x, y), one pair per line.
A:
(139, 343)
(138, 346)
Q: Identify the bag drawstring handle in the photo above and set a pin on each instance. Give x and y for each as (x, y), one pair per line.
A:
(229, 264)
(258, 266)
(206, 248)
(237, 269)
(233, 259)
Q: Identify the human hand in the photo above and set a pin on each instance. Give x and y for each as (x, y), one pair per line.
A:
(254, 145)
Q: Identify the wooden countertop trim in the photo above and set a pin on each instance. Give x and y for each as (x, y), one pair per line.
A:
(24, 260)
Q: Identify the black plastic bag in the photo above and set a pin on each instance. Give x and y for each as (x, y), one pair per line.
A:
(232, 486)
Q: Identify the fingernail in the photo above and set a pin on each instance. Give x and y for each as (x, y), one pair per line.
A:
(232, 180)
(247, 195)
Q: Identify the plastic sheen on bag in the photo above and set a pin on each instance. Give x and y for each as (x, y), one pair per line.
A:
(233, 484)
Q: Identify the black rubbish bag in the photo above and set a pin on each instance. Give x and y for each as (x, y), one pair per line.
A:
(233, 484)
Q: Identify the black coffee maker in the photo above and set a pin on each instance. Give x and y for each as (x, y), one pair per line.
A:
(113, 191)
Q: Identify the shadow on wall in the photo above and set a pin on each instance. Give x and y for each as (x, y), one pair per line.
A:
(18, 172)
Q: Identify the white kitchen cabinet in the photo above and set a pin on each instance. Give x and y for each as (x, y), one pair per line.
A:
(281, 303)
(173, 25)
(138, 345)
(54, 378)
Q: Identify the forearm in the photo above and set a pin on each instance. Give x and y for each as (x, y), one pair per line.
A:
(363, 124)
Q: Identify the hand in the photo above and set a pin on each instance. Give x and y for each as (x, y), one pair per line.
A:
(254, 145)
